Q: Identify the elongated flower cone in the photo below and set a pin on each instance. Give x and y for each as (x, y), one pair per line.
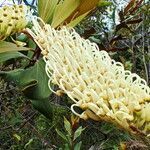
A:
(12, 20)
(95, 82)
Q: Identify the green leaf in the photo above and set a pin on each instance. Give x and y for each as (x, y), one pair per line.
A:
(44, 107)
(29, 142)
(31, 44)
(78, 146)
(108, 128)
(8, 46)
(34, 84)
(84, 7)
(63, 10)
(87, 5)
(94, 39)
(77, 20)
(16, 119)
(46, 9)
(22, 38)
(9, 55)
(61, 135)
(32, 81)
(67, 126)
(104, 3)
(17, 137)
(78, 133)
(67, 147)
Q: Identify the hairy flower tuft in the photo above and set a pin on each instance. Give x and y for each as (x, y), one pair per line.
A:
(95, 82)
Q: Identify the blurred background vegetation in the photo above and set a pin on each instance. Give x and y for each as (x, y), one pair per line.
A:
(119, 27)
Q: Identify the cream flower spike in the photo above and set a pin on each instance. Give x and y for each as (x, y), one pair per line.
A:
(12, 20)
(94, 82)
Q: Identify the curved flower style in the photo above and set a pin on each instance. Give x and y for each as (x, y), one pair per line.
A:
(12, 20)
(95, 82)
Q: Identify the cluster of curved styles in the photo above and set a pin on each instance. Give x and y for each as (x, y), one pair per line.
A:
(12, 20)
(93, 81)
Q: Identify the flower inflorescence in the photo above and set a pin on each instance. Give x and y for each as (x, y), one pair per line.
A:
(12, 20)
(95, 82)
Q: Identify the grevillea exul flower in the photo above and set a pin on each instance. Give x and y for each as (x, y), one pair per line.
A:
(95, 82)
(12, 20)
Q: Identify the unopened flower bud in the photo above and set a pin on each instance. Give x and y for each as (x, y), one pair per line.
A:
(12, 20)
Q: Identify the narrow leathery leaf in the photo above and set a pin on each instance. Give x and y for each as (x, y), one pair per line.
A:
(29, 80)
(107, 128)
(121, 25)
(129, 6)
(9, 55)
(114, 49)
(22, 37)
(87, 5)
(9, 47)
(30, 83)
(31, 44)
(134, 21)
(46, 9)
(117, 38)
(84, 7)
(17, 137)
(104, 3)
(63, 11)
(18, 43)
(29, 87)
(78, 132)
(88, 33)
(121, 16)
(78, 146)
(114, 14)
(15, 76)
(28, 143)
(136, 7)
(44, 107)
(61, 135)
(67, 147)
(74, 22)
(67, 126)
